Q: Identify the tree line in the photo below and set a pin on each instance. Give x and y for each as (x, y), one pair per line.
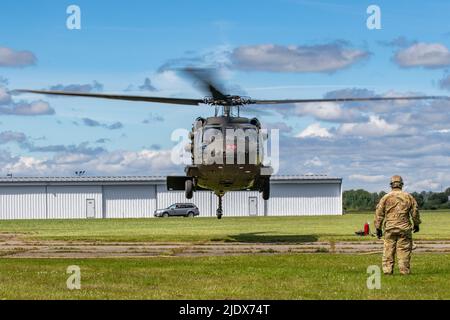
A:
(356, 200)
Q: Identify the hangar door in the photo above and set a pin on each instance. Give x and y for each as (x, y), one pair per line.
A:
(129, 201)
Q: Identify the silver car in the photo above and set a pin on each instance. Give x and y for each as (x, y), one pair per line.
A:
(178, 210)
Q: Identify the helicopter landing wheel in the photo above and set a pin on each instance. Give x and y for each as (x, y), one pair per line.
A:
(189, 189)
(219, 211)
(266, 189)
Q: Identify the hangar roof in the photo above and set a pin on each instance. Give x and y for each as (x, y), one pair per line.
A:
(126, 180)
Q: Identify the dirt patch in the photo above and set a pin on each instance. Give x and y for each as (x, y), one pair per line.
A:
(14, 246)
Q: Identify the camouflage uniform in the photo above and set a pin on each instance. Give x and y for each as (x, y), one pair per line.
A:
(395, 210)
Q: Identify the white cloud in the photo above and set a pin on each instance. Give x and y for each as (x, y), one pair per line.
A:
(327, 111)
(138, 161)
(314, 162)
(442, 131)
(12, 136)
(5, 97)
(316, 58)
(282, 126)
(24, 108)
(354, 112)
(169, 82)
(21, 108)
(94, 87)
(315, 131)
(427, 55)
(426, 184)
(27, 166)
(410, 138)
(12, 58)
(367, 178)
(119, 162)
(376, 126)
(94, 123)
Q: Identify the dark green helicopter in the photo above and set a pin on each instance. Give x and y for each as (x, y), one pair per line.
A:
(227, 166)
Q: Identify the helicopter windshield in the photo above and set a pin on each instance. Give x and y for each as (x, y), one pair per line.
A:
(248, 132)
(210, 134)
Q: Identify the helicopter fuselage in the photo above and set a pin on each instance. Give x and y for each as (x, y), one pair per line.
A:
(227, 154)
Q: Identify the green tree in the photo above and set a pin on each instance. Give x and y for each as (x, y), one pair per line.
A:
(438, 198)
(359, 200)
(419, 198)
(447, 191)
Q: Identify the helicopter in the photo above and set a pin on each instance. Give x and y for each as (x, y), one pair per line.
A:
(219, 162)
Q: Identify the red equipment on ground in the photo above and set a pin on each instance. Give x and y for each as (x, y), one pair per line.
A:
(366, 229)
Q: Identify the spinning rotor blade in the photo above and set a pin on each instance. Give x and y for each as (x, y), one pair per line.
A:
(190, 102)
(348, 99)
(207, 80)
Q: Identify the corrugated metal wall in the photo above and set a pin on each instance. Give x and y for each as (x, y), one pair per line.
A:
(234, 203)
(129, 201)
(286, 200)
(237, 203)
(305, 199)
(69, 202)
(137, 201)
(25, 202)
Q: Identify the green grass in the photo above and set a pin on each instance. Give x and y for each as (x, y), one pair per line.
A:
(436, 226)
(258, 276)
(303, 276)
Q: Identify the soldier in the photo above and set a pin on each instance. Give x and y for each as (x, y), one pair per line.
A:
(395, 210)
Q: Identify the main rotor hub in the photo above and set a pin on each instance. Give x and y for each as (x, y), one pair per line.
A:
(227, 101)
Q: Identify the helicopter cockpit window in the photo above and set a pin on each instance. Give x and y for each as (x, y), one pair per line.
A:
(248, 132)
(210, 134)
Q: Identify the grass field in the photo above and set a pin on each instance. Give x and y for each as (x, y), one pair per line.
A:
(436, 226)
(310, 276)
(256, 276)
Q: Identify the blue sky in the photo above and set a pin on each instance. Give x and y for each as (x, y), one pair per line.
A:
(122, 43)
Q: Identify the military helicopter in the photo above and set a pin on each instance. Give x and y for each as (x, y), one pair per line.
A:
(213, 170)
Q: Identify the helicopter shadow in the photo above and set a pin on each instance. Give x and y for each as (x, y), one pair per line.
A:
(267, 237)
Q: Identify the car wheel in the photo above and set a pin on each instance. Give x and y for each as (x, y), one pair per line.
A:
(190, 214)
(165, 215)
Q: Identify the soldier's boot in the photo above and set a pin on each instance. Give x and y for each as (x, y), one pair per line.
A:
(404, 249)
(389, 253)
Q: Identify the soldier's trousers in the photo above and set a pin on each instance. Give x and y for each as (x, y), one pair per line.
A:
(397, 243)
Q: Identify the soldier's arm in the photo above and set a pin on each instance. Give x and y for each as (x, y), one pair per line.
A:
(379, 213)
(415, 215)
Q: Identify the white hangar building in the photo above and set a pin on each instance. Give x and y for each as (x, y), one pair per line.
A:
(139, 196)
